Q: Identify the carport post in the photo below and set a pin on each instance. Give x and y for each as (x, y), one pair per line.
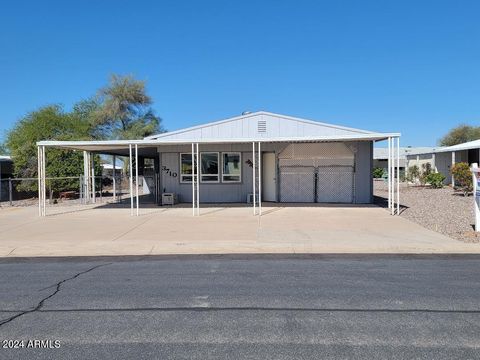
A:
(44, 192)
(94, 195)
(453, 163)
(114, 182)
(193, 179)
(131, 178)
(259, 179)
(39, 186)
(254, 178)
(393, 176)
(389, 172)
(398, 175)
(86, 176)
(136, 176)
(198, 181)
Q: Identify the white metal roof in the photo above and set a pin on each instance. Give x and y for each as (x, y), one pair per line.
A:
(5, 158)
(475, 144)
(122, 144)
(259, 125)
(382, 153)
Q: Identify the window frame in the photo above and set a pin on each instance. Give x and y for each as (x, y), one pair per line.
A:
(239, 153)
(183, 174)
(218, 174)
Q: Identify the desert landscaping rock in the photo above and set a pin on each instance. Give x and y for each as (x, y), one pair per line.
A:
(442, 210)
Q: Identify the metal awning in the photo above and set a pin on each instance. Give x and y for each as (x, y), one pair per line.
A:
(113, 145)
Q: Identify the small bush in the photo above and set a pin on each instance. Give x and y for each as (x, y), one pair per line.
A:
(377, 173)
(413, 173)
(426, 171)
(463, 177)
(435, 180)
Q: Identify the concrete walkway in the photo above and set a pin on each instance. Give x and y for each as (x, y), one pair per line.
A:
(110, 230)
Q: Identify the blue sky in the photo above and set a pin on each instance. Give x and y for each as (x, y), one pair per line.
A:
(407, 66)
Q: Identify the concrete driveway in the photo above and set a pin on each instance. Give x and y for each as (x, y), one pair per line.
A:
(110, 230)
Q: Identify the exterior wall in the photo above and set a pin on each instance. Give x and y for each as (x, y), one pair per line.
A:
(419, 160)
(443, 163)
(363, 173)
(210, 192)
(237, 192)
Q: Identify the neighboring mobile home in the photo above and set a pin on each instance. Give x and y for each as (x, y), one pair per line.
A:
(441, 159)
(380, 156)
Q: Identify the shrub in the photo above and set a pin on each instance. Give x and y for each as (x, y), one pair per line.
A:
(463, 177)
(413, 173)
(435, 180)
(426, 171)
(377, 172)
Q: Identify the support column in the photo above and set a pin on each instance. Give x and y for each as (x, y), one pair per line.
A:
(193, 179)
(136, 176)
(114, 159)
(44, 192)
(198, 180)
(398, 175)
(39, 175)
(94, 192)
(259, 179)
(254, 179)
(453, 163)
(131, 178)
(86, 177)
(389, 173)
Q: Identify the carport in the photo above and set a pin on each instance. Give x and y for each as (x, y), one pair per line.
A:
(253, 158)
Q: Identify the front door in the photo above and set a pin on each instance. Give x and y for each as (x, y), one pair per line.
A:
(269, 180)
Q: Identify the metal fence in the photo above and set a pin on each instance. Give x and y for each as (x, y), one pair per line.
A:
(24, 191)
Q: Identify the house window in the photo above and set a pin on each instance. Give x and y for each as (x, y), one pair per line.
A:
(186, 168)
(209, 167)
(231, 167)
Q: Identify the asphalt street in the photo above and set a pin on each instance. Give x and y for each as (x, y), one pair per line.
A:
(242, 307)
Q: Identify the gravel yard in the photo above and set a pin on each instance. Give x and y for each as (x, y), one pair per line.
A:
(441, 210)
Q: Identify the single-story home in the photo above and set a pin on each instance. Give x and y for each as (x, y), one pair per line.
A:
(442, 158)
(254, 157)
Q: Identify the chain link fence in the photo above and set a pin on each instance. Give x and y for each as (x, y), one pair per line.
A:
(65, 190)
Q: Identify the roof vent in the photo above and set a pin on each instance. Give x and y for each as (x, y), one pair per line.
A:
(246, 112)
(262, 126)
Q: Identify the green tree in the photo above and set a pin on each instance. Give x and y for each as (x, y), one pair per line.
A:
(125, 110)
(460, 134)
(48, 123)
